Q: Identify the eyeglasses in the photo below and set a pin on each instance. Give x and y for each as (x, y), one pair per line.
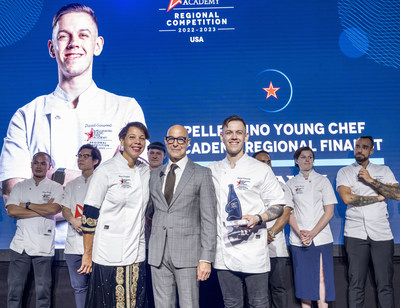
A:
(171, 140)
(84, 156)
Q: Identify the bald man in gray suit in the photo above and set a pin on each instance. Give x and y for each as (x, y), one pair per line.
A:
(183, 235)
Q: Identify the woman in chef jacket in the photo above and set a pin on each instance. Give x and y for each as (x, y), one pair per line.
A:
(310, 236)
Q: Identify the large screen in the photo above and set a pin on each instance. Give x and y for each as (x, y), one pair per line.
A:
(316, 73)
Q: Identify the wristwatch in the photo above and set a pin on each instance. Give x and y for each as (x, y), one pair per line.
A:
(259, 219)
(271, 232)
(27, 204)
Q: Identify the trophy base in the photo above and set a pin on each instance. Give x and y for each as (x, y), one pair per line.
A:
(236, 223)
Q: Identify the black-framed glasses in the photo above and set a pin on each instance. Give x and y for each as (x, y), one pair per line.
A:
(180, 140)
(85, 156)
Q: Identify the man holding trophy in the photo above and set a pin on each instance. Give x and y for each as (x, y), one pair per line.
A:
(248, 195)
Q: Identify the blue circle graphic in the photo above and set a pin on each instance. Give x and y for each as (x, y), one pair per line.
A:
(290, 90)
(353, 42)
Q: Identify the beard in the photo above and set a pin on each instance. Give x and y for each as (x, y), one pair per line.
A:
(360, 159)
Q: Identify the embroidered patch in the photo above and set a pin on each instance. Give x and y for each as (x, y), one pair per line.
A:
(299, 189)
(119, 288)
(46, 196)
(125, 181)
(242, 183)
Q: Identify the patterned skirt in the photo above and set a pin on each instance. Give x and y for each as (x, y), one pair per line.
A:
(117, 286)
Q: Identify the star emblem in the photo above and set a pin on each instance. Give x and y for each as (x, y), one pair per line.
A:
(90, 134)
(122, 181)
(271, 91)
(173, 3)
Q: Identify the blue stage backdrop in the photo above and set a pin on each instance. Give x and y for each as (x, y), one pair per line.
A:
(317, 73)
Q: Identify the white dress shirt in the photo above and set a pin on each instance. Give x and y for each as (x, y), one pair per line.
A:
(178, 171)
(372, 219)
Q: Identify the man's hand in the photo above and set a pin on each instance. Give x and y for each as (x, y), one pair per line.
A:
(271, 237)
(381, 198)
(365, 176)
(252, 220)
(76, 223)
(86, 267)
(203, 271)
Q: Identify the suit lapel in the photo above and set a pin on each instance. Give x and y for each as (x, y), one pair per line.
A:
(186, 175)
(159, 183)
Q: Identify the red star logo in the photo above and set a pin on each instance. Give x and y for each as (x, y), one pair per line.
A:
(239, 182)
(90, 134)
(271, 91)
(173, 3)
(122, 181)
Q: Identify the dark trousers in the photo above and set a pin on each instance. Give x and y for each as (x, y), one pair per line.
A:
(235, 284)
(79, 282)
(359, 253)
(277, 289)
(18, 271)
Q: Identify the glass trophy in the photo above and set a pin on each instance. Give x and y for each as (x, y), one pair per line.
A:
(234, 210)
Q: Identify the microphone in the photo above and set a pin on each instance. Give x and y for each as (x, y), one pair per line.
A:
(162, 174)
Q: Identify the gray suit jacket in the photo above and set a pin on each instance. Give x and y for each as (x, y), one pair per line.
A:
(189, 221)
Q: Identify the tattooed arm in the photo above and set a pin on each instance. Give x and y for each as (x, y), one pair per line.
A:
(389, 191)
(357, 200)
(273, 212)
(279, 224)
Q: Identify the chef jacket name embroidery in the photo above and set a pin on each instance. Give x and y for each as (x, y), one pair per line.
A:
(99, 135)
(46, 196)
(125, 181)
(299, 189)
(242, 183)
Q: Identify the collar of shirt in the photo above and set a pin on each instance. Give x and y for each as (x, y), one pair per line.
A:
(358, 166)
(242, 160)
(60, 94)
(310, 175)
(121, 159)
(33, 182)
(181, 164)
(178, 171)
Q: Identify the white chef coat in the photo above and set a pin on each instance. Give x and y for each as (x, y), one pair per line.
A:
(372, 219)
(278, 247)
(50, 124)
(121, 194)
(74, 196)
(309, 198)
(35, 235)
(257, 188)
